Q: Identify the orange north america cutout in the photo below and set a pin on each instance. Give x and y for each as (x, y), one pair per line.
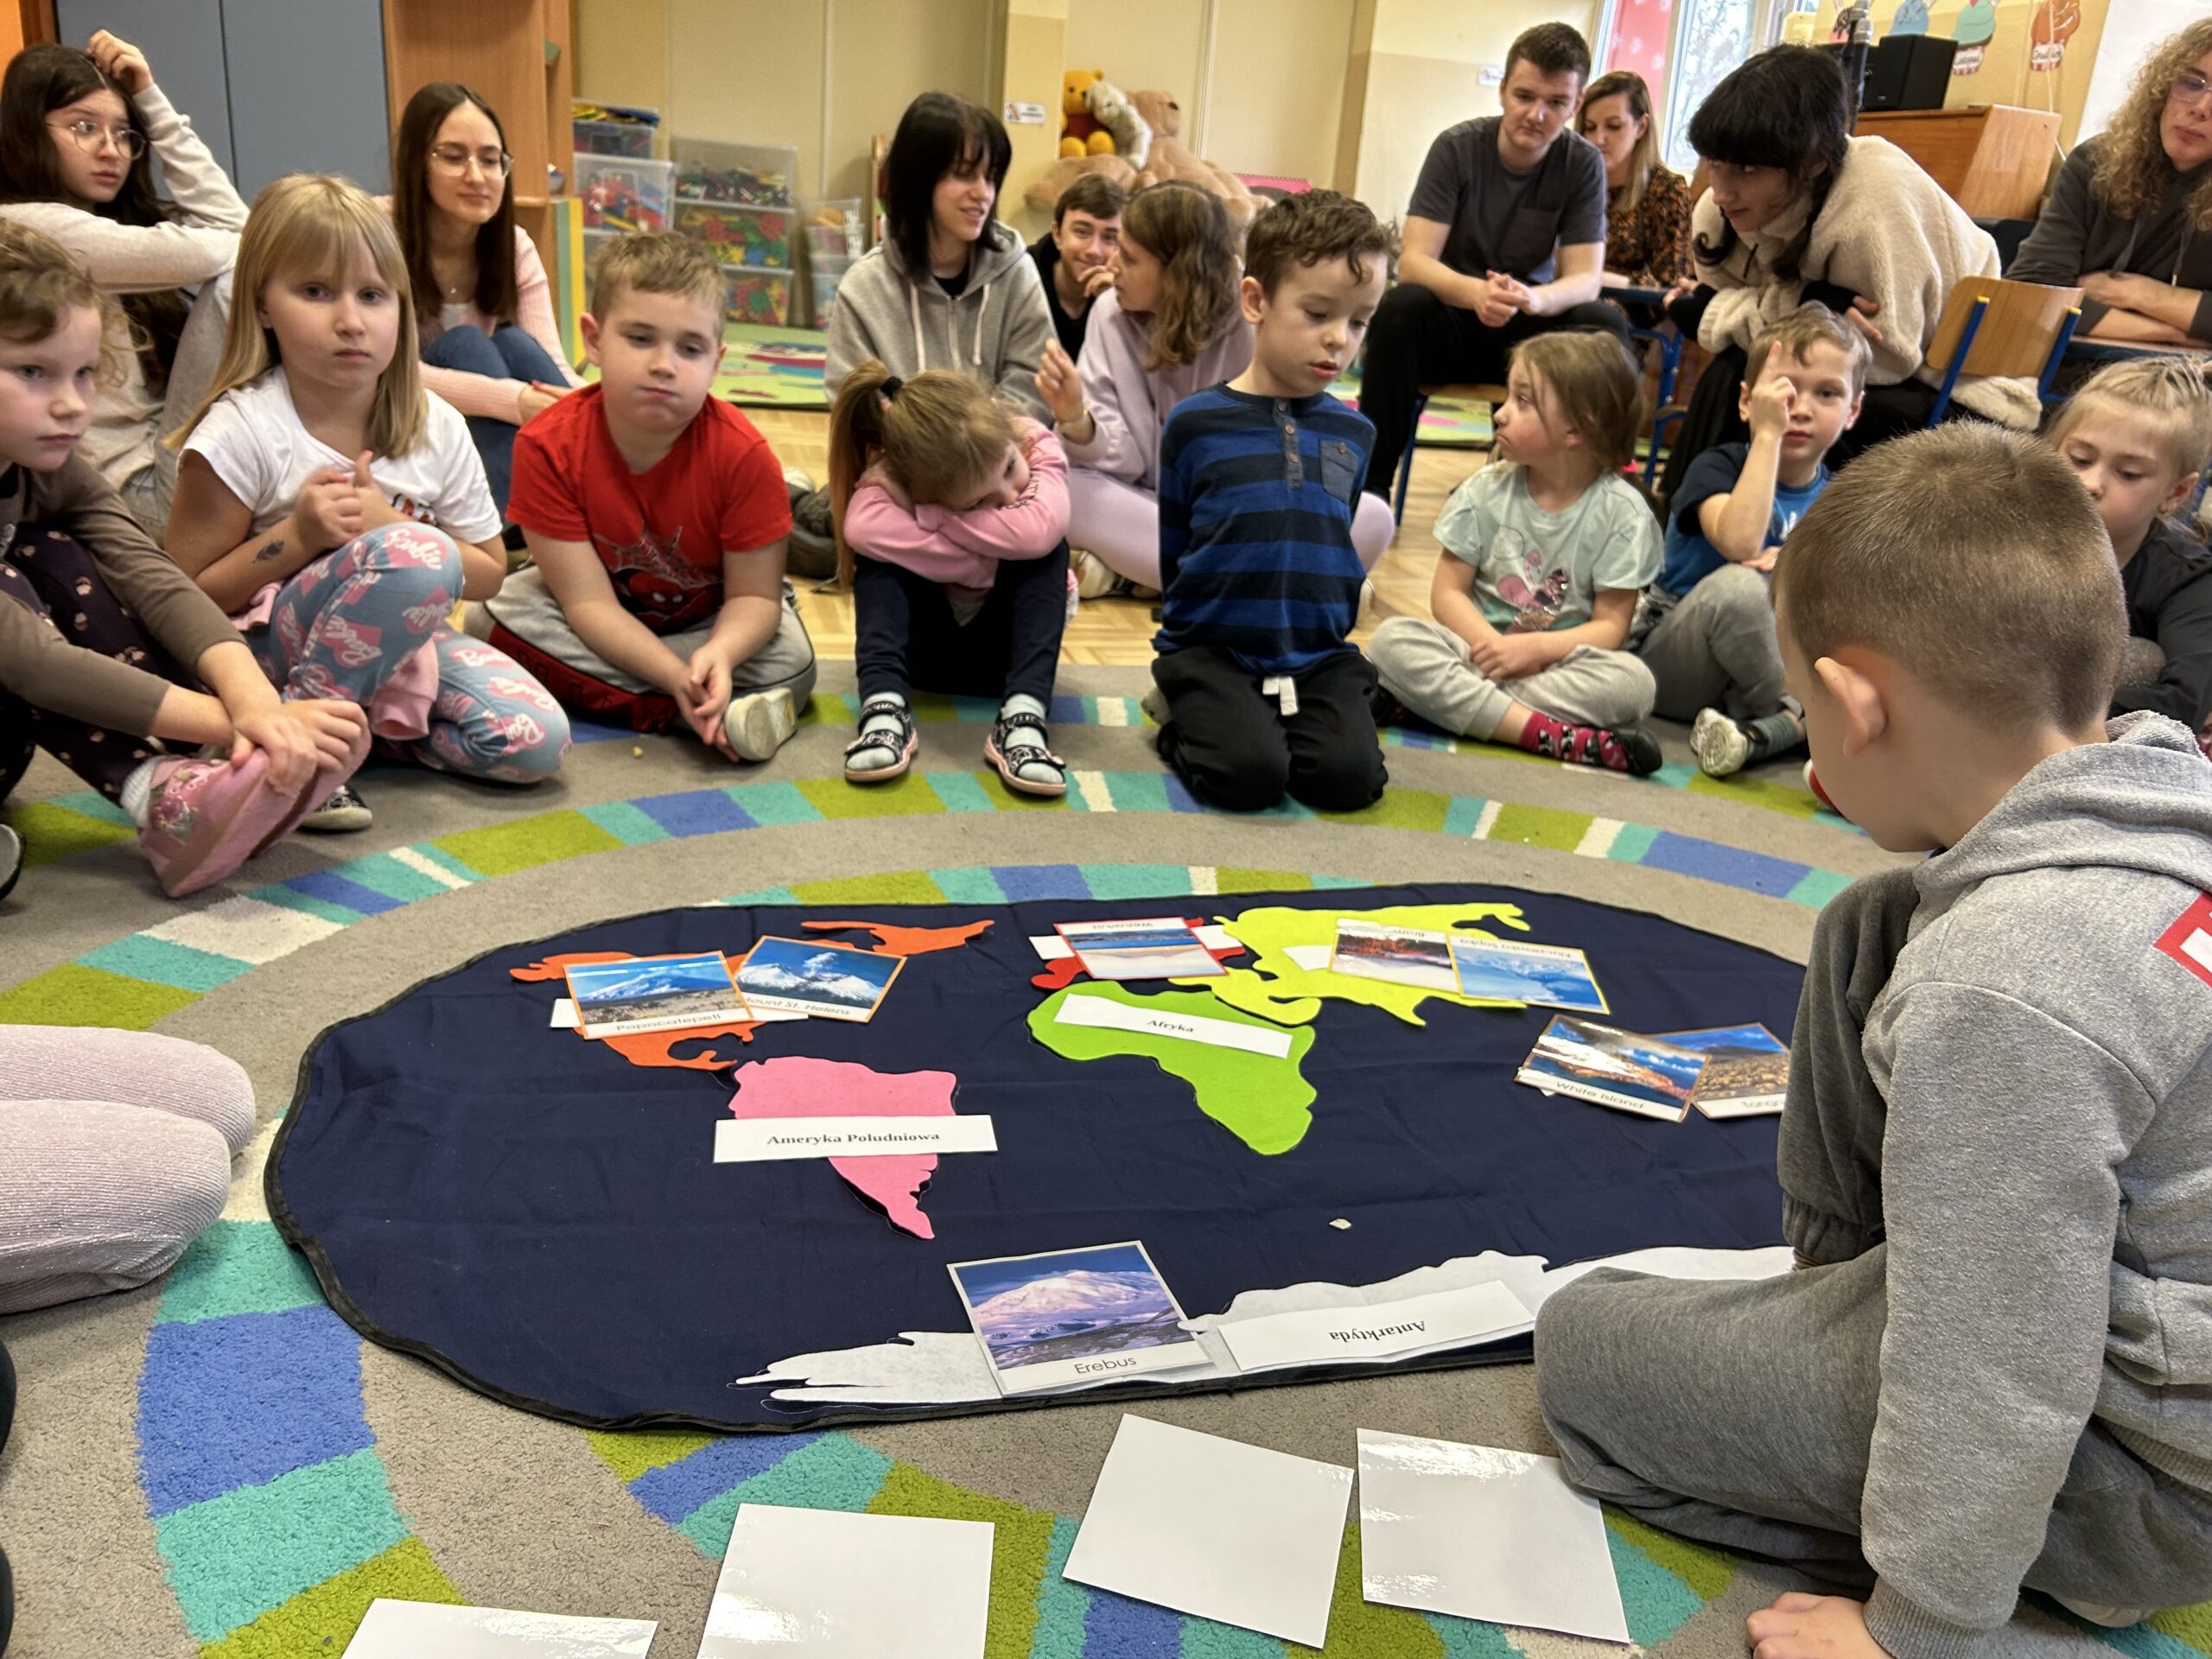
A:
(649, 1048)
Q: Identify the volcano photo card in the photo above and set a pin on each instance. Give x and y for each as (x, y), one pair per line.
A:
(825, 982)
(616, 999)
(1070, 1317)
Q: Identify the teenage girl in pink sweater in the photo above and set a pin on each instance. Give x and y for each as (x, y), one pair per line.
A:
(952, 519)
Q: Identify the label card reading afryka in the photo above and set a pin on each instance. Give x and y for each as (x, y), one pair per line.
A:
(768, 1139)
(1080, 1010)
(1345, 1336)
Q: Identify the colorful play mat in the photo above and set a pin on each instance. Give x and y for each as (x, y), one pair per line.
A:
(541, 1216)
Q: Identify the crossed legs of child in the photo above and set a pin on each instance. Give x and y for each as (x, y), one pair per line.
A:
(767, 689)
(1118, 525)
(1243, 746)
(1587, 708)
(909, 635)
(1715, 662)
(115, 1155)
(199, 819)
(366, 622)
(1742, 1411)
(506, 354)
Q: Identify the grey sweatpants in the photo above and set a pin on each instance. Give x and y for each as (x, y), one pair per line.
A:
(1713, 647)
(1427, 667)
(115, 1154)
(1741, 1413)
(527, 608)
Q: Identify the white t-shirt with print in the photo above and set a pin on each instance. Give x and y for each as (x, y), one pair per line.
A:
(253, 439)
(1535, 570)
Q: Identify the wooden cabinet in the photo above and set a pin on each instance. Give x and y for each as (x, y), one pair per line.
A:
(1992, 159)
(514, 54)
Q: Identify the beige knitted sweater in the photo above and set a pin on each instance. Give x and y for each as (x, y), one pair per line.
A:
(1886, 230)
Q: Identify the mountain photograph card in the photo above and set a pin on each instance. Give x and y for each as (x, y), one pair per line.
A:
(1152, 947)
(616, 999)
(1548, 975)
(1066, 1317)
(1746, 1070)
(1404, 955)
(1623, 1070)
(823, 982)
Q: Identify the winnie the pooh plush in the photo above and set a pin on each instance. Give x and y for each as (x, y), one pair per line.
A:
(1079, 129)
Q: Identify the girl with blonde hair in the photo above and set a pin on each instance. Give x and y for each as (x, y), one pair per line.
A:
(1170, 326)
(338, 510)
(2130, 219)
(951, 529)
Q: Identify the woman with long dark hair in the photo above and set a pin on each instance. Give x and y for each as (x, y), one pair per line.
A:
(79, 131)
(490, 344)
(1799, 209)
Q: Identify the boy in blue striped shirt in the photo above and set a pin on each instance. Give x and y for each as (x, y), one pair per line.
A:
(1260, 583)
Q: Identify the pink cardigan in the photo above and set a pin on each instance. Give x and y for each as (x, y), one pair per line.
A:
(479, 394)
(963, 549)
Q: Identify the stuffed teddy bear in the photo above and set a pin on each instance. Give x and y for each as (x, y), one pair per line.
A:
(1170, 160)
(1110, 107)
(1081, 132)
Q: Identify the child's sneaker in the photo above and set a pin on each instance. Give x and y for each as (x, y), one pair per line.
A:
(204, 818)
(342, 812)
(1094, 579)
(758, 725)
(1723, 747)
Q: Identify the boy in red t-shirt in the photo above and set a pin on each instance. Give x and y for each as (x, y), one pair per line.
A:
(656, 517)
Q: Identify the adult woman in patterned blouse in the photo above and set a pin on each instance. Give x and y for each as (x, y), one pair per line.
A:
(1647, 204)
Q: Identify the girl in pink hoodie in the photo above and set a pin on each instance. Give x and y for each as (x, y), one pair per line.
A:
(951, 523)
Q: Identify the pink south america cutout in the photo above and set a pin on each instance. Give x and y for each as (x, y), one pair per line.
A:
(796, 1086)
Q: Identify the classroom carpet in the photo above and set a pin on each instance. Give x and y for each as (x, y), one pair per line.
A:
(218, 1466)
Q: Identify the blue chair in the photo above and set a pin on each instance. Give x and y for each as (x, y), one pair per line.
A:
(1991, 326)
(1479, 393)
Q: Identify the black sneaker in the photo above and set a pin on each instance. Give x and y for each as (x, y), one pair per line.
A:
(342, 813)
(1641, 750)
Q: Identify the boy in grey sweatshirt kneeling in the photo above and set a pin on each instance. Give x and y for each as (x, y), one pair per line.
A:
(1993, 1370)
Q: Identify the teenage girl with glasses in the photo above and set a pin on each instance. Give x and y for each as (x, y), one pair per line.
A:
(2130, 219)
(78, 134)
(489, 342)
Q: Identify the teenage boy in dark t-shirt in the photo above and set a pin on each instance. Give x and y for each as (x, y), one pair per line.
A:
(1076, 259)
(1504, 238)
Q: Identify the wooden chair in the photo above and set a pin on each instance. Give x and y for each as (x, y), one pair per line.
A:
(1991, 326)
(1476, 392)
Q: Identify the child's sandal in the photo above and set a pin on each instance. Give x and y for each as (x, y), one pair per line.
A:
(1010, 754)
(900, 743)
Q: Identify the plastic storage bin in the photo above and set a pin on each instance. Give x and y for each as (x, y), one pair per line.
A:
(756, 296)
(756, 236)
(746, 175)
(624, 192)
(833, 229)
(612, 137)
(828, 270)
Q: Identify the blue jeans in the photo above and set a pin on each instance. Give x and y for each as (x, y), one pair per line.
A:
(506, 354)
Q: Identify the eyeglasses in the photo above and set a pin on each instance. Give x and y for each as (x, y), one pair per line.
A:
(2190, 89)
(90, 135)
(453, 159)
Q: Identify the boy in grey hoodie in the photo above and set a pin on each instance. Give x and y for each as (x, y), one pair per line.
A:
(1994, 1369)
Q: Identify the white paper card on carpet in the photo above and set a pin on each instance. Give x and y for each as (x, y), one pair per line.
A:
(816, 1583)
(766, 1139)
(564, 1015)
(1189, 1027)
(1345, 1336)
(1482, 1533)
(1216, 1528)
(409, 1629)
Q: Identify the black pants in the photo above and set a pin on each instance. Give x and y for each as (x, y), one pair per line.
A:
(1417, 340)
(1232, 746)
(1711, 417)
(905, 637)
(48, 572)
(7, 1418)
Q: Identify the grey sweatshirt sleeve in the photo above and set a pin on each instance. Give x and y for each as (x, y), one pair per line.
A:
(1029, 331)
(2004, 1132)
(2052, 253)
